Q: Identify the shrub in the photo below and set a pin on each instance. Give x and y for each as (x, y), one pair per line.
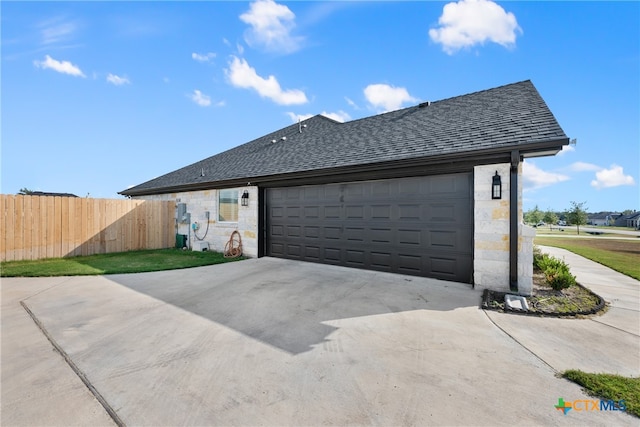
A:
(559, 277)
(556, 271)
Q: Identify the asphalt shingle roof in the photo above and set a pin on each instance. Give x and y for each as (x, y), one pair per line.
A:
(506, 117)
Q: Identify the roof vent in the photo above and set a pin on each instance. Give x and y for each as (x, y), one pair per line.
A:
(424, 104)
(273, 141)
(284, 138)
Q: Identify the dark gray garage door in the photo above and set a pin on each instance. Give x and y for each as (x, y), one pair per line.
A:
(420, 226)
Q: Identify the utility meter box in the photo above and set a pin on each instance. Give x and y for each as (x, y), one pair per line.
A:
(182, 210)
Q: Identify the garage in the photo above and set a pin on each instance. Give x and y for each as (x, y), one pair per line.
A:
(432, 190)
(416, 225)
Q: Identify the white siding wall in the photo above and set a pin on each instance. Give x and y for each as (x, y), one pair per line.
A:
(199, 202)
(491, 233)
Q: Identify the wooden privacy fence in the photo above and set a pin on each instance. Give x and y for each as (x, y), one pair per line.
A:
(36, 227)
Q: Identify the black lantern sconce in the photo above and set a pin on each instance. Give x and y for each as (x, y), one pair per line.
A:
(496, 187)
(244, 200)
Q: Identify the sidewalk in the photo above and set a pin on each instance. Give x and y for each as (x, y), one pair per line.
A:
(609, 343)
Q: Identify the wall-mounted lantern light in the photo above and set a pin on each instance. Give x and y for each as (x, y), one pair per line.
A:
(245, 198)
(496, 187)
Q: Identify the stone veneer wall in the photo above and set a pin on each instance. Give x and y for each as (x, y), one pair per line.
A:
(491, 233)
(198, 202)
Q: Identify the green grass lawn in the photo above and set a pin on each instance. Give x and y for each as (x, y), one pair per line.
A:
(609, 387)
(115, 263)
(619, 255)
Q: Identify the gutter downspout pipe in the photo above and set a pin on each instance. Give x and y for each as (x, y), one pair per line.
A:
(513, 222)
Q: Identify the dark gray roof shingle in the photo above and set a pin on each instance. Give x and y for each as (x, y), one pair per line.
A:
(509, 116)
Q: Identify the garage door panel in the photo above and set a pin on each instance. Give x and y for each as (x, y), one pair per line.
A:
(410, 237)
(410, 212)
(354, 234)
(312, 253)
(277, 212)
(294, 251)
(312, 212)
(381, 260)
(332, 254)
(443, 266)
(355, 212)
(418, 225)
(443, 238)
(311, 232)
(355, 258)
(409, 264)
(332, 212)
(294, 231)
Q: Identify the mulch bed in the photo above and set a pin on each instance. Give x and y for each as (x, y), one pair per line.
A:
(544, 301)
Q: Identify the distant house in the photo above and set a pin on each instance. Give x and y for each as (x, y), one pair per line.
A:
(632, 220)
(432, 190)
(602, 218)
(43, 193)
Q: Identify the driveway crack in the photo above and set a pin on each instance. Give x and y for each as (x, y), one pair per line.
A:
(519, 343)
(114, 416)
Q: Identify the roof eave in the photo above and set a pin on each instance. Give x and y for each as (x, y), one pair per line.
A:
(485, 156)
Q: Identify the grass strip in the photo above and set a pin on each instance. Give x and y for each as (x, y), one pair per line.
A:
(609, 387)
(114, 263)
(619, 255)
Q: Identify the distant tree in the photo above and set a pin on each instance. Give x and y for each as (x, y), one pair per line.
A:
(577, 214)
(25, 191)
(550, 217)
(533, 216)
(628, 212)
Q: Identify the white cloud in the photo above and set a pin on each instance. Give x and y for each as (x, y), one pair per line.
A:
(242, 75)
(471, 22)
(271, 26)
(612, 177)
(583, 167)
(338, 116)
(117, 80)
(387, 98)
(295, 118)
(200, 98)
(203, 57)
(56, 30)
(64, 67)
(351, 103)
(533, 177)
(566, 149)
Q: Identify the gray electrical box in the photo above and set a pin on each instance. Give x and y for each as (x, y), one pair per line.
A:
(182, 210)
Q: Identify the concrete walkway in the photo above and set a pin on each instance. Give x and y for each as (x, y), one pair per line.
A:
(609, 343)
(278, 342)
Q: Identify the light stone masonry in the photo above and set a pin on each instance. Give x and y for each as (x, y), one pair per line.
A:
(218, 233)
(491, 233)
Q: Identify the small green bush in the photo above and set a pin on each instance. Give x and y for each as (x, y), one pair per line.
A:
(556, 271)
(559, 277)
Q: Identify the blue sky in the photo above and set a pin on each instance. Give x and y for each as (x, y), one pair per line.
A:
(97, 97)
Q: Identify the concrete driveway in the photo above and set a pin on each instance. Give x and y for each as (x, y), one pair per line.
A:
(275, 342)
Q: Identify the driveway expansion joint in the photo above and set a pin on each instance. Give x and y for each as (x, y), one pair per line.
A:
(615, 327)
(114, 416)
(519, 343)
